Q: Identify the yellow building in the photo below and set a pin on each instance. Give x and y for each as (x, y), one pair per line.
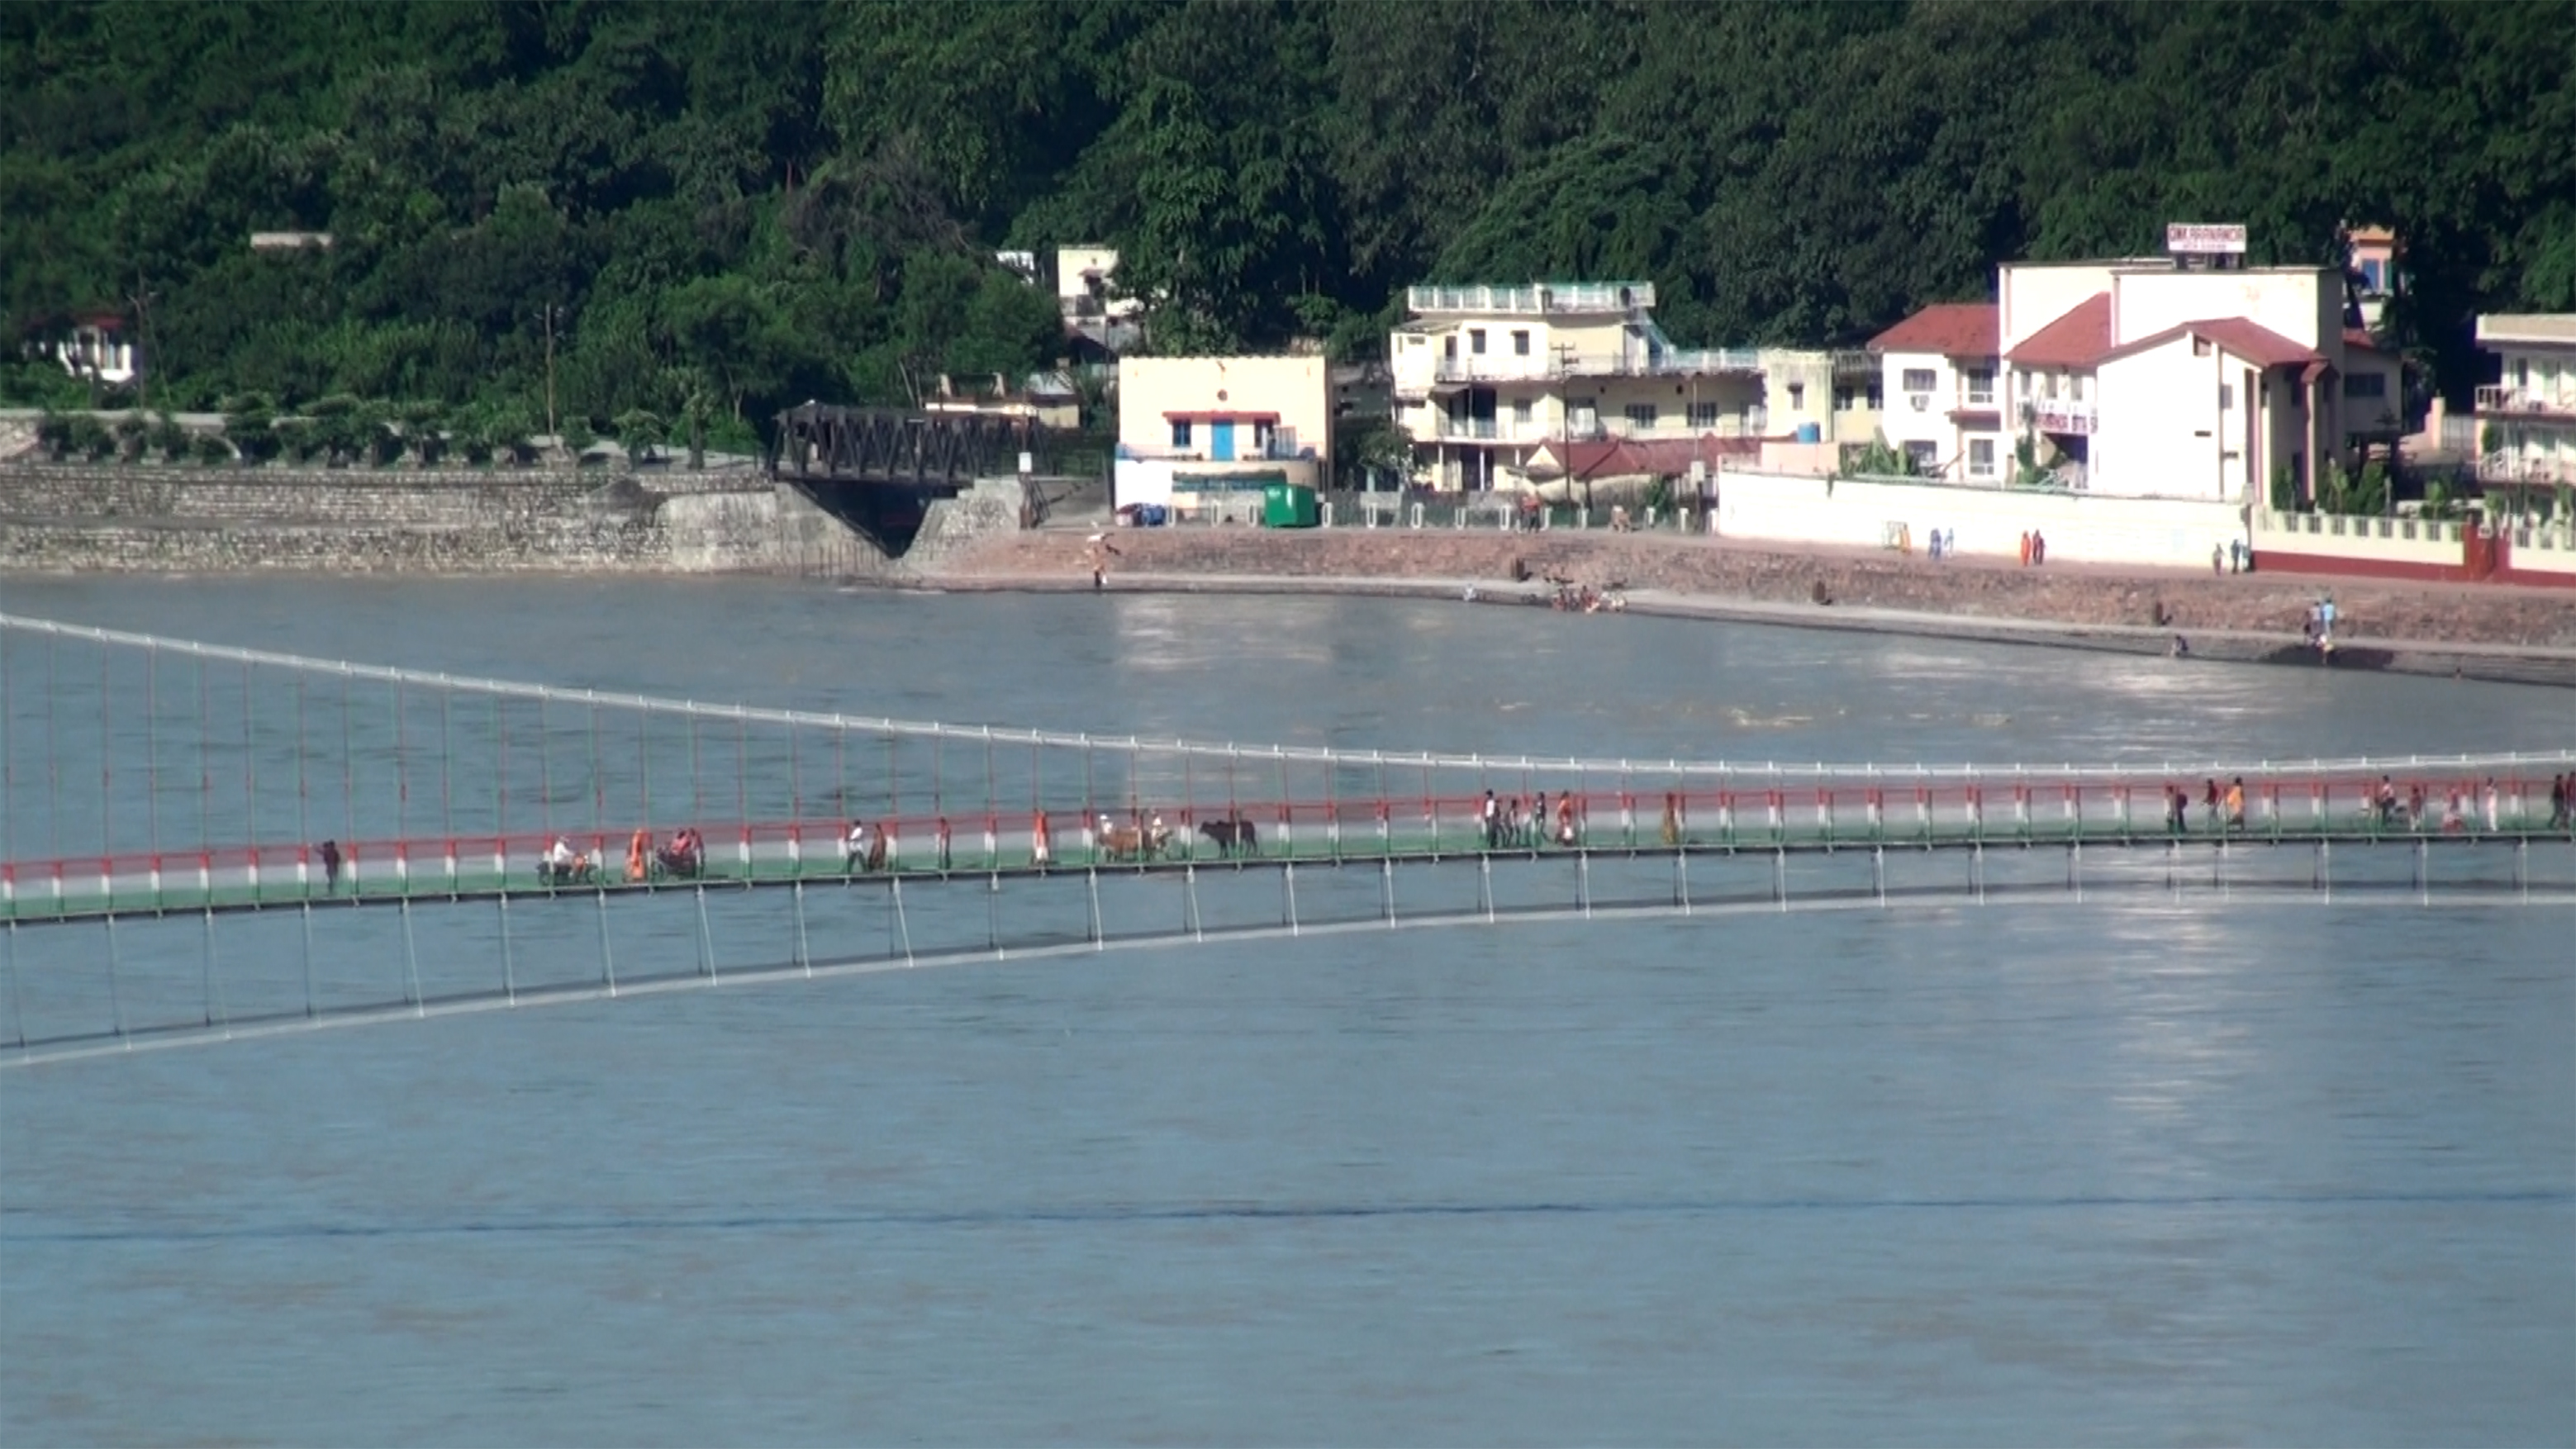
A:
(1484, 376)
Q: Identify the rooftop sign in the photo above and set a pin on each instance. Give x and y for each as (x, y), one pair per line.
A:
(2184, 238)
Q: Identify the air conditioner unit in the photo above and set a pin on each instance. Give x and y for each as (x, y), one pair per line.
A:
(1922, 401)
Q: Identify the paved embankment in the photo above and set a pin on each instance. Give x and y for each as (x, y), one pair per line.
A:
(2484, 631)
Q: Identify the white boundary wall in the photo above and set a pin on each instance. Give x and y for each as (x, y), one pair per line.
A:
(2079, 527)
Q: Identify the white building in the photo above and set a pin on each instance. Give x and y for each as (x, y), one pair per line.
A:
(1938, 380)
(1484, 376)
(1193, 430)
(2526, 421)
(2143, 378)
(97, 347)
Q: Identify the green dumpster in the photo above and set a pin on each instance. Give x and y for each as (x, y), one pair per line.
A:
(1288, 505)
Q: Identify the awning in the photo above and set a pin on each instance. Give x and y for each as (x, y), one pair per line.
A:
(1196, 416)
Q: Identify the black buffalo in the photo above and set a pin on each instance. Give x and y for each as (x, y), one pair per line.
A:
(1231, 835)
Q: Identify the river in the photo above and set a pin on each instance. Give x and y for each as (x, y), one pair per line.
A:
(2110, 1173)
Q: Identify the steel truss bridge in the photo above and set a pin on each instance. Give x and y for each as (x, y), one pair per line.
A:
(202, 843)
(879, 469)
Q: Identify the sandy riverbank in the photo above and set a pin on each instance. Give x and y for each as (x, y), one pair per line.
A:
(2480, 631)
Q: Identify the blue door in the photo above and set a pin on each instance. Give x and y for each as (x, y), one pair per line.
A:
(1221, 440)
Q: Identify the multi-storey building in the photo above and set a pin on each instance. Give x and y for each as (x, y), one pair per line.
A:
(1485, 376)
(2141, 377)
(2526, 420)
(1820, 396)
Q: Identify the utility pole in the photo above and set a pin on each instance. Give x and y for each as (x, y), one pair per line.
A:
(143, 325)
(551, 430)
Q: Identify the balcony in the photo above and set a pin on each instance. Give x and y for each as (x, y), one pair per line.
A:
(2526, 403)
(1752, 424)
(1664, 362)
(1558, 297)
(2061, 415)
(2512, 468)
(1447, 429)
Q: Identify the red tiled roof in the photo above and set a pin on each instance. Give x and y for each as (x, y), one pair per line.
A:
(1658, 457)
(2077, 339)
(2257, 344)
(1977, 420)
(1949, 329)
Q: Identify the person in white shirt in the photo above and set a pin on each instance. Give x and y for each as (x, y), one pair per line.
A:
(855, 848)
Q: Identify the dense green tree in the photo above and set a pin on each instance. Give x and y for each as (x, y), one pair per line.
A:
(588, 209)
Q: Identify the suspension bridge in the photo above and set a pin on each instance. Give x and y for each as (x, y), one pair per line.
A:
(202, 842)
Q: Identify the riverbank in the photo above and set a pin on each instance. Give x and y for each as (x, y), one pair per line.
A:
(2474, 631)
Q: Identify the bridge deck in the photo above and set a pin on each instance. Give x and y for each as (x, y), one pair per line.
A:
(447, 870)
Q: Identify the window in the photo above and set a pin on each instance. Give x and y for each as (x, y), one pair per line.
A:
(1520, 344)
(1523, 410)
(1846, 398)
(1641, 415)
(1981, 457)
(1703, 415)
(1476, 340)
(2200, 347)
(2022, 380)
(1180, 432)
(1877, 397)
(2374, 275)
(2075, 382)
(1797, 397)
(1922, 456)
(2226, 396)
(1981, 385)
(1919, 379)
(1449, 347)
(2366, 384)
(2054, 379)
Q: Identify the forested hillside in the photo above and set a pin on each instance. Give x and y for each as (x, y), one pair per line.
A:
(733, 204)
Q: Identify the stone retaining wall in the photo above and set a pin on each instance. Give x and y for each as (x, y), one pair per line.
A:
(109, 517)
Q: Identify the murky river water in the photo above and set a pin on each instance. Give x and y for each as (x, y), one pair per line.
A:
(2124, 1173)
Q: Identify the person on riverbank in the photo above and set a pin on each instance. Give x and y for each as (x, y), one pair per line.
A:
(639, 855)
(2038, 548)
(1492, 818)
(854, 847)
(330, 865)
(1101, 551)
(2236, 804)
(2177, 810)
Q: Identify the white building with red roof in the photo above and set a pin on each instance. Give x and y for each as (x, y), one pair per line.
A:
(2140, 378)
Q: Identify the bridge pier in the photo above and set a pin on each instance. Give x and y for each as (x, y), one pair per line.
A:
(607, 963)
(902, 925)
(411, 956)
(1386, 875)
(115, 998)
(1092, 875)
(706, 933)
(306, 909)
(17, 998)
(509, 966)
